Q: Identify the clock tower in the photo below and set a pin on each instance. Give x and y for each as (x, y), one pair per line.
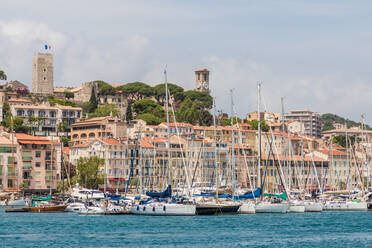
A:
(202, 80)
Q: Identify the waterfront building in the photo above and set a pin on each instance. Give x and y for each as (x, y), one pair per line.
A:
(41, 162)
(6, 166)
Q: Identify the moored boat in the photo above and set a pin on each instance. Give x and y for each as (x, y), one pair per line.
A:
(247, 208)
(216, 208)
(313, 206)
(268, 207)
(47, 208)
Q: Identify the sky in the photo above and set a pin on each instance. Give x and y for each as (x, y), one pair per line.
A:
(315, 54)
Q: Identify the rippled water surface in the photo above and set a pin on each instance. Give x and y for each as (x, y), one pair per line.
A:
(328, 229)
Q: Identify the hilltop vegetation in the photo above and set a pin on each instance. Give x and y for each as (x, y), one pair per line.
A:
(148, 103)
(328, 119)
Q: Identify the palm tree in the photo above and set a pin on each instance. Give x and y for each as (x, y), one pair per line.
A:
(2, 75)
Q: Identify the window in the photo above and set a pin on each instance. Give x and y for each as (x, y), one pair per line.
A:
(37, 173)
(37, 164)
(5, 149)
(44, 78)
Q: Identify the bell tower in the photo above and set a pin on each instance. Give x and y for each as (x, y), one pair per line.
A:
(202, 80)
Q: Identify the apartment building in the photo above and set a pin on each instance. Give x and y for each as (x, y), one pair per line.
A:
(311, 121)
(88, 129)
(45, 119)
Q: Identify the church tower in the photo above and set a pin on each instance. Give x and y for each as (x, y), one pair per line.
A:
(42, 74)
(202, 80)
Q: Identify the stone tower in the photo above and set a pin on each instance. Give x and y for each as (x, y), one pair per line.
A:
(202, 80)
(42, 74)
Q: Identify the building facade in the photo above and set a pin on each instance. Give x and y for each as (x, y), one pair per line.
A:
(311, 121)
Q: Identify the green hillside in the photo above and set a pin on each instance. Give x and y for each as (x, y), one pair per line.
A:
(328, 119)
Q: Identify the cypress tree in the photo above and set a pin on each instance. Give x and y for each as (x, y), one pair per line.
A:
(128, 114)
(93, 103)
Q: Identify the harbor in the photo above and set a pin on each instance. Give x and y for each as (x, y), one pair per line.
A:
(326, 229)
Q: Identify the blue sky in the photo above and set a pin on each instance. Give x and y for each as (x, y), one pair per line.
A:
(315, 54)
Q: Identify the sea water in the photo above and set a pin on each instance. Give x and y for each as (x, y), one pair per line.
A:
(327, 229)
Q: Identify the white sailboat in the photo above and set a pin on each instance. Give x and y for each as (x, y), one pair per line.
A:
(155, 207)
(266, 206)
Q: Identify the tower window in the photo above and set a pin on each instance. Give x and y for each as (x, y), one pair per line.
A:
(44, 78)
(44, 69)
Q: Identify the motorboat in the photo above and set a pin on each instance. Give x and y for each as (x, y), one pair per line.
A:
(75, 207)
(87, 194)
(154, 207)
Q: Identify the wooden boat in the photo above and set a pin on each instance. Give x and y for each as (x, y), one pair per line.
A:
(47, 208)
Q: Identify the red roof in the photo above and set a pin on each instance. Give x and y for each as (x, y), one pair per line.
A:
(80, 145)
(110, 141)
(29, 139)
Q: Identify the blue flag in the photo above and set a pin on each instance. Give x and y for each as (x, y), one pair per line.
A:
(46, 47)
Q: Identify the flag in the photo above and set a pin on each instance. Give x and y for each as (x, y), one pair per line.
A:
(46, 47)
(50, 47)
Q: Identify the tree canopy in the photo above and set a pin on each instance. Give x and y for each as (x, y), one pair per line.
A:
(148, 106)
(105, 110)
(136, 91)
(104, 88)
(89, 172)
(254, 124)
(2, 75)
(175, 91)
(328, 120)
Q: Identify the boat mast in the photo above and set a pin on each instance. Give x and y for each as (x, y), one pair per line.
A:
(168, 129)
(13, 169)
(105, 165)
(232, 144)
(215, 147)
(259, 137)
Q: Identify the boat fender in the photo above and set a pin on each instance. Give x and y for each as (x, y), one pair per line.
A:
(153, 209)
(105, 204)
(164, 208)
(144, 208)
(6, 202)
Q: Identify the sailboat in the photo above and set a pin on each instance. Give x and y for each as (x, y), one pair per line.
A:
(155, 205)
(276, 205)
(217, 207)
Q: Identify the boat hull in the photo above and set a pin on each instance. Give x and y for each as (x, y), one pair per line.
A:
(345, 206)
(58, 208)
(266, 207)
(212, 209)
(313, 207)
(164, 209)
(297, 209)
(247, 208)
